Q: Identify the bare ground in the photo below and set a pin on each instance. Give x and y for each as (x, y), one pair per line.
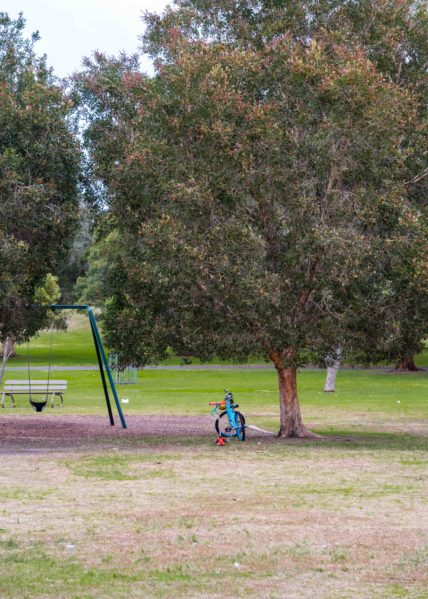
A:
(45, 432)
(52, 433)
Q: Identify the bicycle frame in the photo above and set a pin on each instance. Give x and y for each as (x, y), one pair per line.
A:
(231, 415)
(235, 419)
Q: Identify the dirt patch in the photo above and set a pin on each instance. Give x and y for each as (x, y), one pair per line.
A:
(67, 432)
(46, 433)
(40, 433)
(57, 433)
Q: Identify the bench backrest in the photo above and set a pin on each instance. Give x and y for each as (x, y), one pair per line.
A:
(35, 385)
(35, 381)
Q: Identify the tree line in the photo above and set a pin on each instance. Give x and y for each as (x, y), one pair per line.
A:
(263, 193)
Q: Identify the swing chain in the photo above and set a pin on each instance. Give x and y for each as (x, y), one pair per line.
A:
(28, 369)
(49, 367)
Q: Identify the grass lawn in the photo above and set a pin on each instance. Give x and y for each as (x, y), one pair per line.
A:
(175, 516)
(75, 347)
(363, 398)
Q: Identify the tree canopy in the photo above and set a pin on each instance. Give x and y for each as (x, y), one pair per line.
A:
(39, 168)
(393, 34)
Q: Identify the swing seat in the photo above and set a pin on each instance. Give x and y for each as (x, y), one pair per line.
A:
(38, 406)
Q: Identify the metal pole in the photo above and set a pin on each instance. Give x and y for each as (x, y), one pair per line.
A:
(103, 378)
(100, 354)
(103, 356)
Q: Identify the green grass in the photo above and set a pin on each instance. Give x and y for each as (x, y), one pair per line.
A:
(72, 347)
(367, 395)
(120, 467)
(75, 347)
(41, 573)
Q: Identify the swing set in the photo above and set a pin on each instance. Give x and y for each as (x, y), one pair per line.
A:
(56, 388)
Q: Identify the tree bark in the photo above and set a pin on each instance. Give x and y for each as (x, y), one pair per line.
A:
(406, 364)
(291, 424)
(8, 348)
(330, 380)
(6, 351)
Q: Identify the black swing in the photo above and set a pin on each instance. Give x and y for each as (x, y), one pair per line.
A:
(39, 406)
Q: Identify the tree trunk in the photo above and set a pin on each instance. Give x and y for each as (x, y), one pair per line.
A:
(6, 351)
(291, 424)
(330, 381)
(8, 348)
(406, 364)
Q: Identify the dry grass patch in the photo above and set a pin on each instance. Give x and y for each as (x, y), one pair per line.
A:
(258, 519)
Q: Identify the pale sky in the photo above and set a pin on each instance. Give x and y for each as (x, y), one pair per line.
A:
(72, 29)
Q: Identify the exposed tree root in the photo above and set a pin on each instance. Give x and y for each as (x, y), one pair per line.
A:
(300, 433)
(406, 365)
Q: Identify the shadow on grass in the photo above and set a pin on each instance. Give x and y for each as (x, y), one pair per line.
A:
(330, 439)
(358, 440)
(346, 440)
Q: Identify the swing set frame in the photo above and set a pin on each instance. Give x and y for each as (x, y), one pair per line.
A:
(102, 360)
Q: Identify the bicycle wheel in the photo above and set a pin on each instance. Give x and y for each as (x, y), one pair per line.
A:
(240, 429)
(224, 428)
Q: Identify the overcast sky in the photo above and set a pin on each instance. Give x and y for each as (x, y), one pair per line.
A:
(71, 29)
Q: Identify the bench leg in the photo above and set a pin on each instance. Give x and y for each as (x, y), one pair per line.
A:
(60, 405)
(3, 398)
(11, 398)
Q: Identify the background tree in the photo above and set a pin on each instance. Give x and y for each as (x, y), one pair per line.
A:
(104, 276)
(77, 263)
(258, 191)
(39, 165)
(49, 292)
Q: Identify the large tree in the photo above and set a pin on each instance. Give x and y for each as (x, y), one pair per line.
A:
(394, 35)
(39, 166)
(259, 192)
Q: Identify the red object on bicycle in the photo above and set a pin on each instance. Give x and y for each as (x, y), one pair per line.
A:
(220, 441)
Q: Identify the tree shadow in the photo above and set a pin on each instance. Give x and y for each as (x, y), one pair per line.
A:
(356, 440)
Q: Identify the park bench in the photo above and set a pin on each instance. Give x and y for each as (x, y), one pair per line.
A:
(34, 387)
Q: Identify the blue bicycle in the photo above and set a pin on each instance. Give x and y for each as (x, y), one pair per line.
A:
(229, 422)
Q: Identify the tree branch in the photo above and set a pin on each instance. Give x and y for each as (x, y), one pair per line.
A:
(330, 184)
(418, 177)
